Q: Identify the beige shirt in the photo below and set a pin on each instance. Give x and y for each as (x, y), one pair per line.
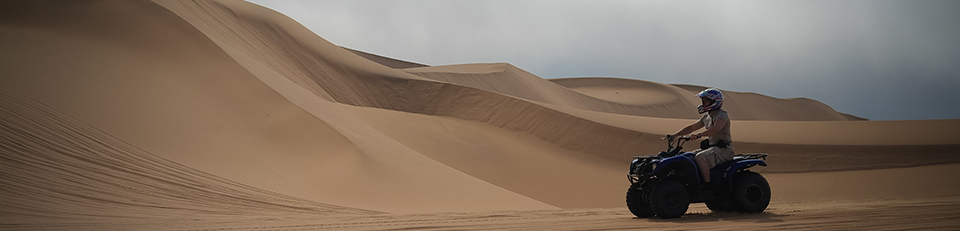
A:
(710, 118)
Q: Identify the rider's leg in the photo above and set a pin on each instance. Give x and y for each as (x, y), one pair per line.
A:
(703, 164)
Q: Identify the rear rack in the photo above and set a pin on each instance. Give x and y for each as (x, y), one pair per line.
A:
(747, 156)
(742, 156)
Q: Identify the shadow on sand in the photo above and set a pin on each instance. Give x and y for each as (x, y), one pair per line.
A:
(765, 217)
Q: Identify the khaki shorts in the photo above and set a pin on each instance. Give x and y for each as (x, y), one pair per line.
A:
(716, 155)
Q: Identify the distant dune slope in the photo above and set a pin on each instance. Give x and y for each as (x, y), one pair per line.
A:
(509, 80)
(390, 62)
(741, 105)
(753, 106)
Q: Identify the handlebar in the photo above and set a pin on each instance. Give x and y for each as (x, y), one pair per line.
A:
(670, 138)
(673, 147)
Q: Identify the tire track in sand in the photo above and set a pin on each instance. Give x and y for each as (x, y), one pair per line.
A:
(54, 168)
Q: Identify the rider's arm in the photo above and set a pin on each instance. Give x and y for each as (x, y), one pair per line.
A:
(717, 125)
(690, 128)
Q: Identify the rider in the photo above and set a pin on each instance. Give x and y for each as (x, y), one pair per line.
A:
(718, 132)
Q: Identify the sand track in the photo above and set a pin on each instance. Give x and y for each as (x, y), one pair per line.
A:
(926, 214)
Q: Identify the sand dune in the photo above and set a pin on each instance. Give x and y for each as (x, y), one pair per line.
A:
(741, 105)
(389, 62)
(509, 80)
(223, 109)
(91, 175)
(195, 105)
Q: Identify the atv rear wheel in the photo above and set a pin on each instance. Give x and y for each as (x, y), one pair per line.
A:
(637, 205)
(751, 192)
(669, 199)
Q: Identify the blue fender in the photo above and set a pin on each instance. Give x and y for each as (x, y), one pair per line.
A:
(743, 164)
(686, 162)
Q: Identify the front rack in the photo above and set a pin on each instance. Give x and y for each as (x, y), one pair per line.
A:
(645, 157)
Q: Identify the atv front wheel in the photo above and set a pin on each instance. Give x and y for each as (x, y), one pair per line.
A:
(751, 192)
(669, 199)
(637, 205)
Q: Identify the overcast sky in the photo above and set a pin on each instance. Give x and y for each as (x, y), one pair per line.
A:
(882, 60)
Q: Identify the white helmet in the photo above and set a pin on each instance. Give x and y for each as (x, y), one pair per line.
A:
(712, 94)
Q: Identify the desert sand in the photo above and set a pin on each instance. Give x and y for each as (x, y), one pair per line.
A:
(227, 115)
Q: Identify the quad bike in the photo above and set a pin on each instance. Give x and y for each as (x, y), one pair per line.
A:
(664, 185)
